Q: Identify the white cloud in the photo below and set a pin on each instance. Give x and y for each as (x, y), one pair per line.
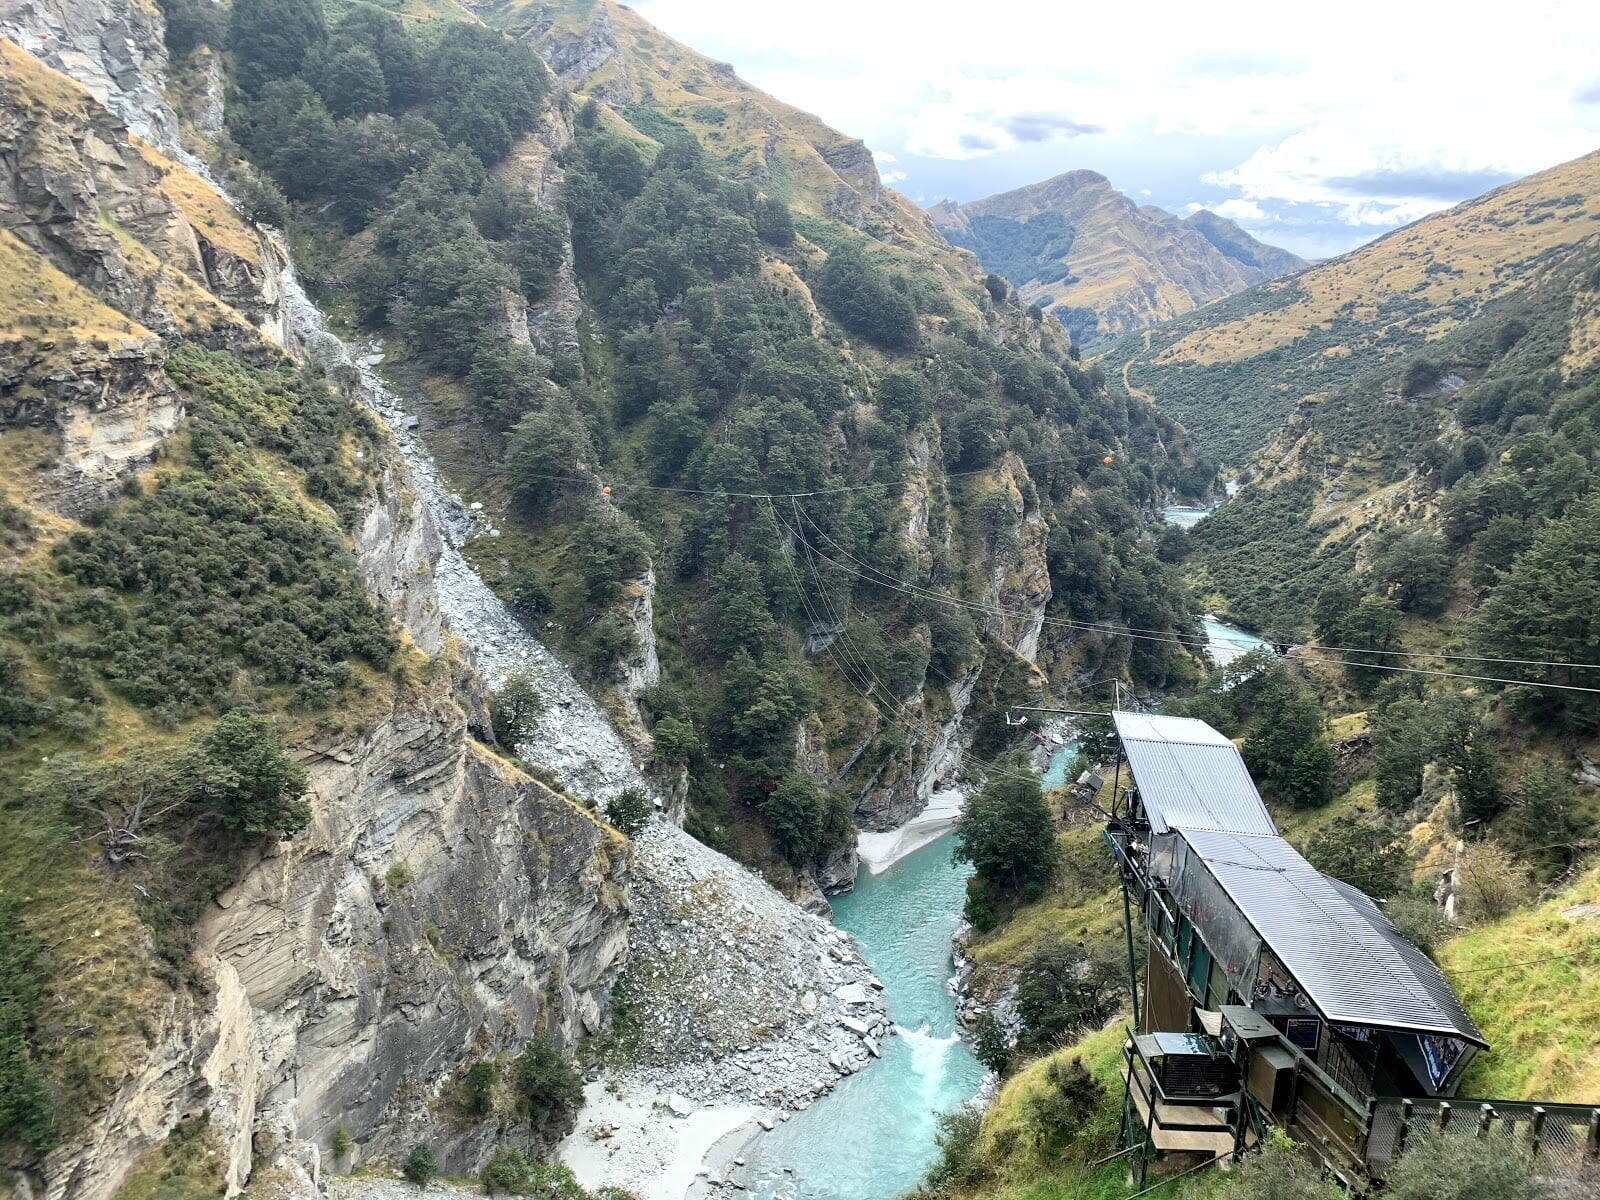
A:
(1236, 209)
(1373, 113)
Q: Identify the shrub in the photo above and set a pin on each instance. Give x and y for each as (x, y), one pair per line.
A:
(341, 1142)
(515, 708)
(477, 1088)
(25, 1104)
(516, 1172)
(1420, 921)
(675, 740)
(1065, 1105)
(1441, 1167)
(630, 811)
(1489, 882)
(1062, 990)
(549, 1086)
(960, 1163)
(420, 1166)
(991, 1046)
(1280, 1171)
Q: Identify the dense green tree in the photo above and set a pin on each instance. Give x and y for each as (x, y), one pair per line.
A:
(796, 812)
(1415, 570)
(391, 43)
(1287, 751)
(760, 705)
(1403, 742)
(858, 293)
(514, 708)
(1065, 990)
(550, 1088)
(477, 1088)
(997, 287)
(239, 770)
(420, 1166)
(774, 225)
(193, 23)
(905, 394)
(270, 38)
(1545, 826)
(1464, 744)
(547, 451)
(1368, 630)
(1362, 853)
(737, 609)
(1005, 832)
(630, 811)
(350, 81)
(1546, 607)
(1059, 1112)
(612, 552)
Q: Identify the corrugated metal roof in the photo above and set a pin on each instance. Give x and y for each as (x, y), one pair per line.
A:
(1190, 776)
(1340, 948)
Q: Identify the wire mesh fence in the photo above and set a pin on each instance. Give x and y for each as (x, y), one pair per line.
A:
(1562, 1138)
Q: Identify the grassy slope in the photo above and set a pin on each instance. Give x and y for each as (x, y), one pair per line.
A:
(1020, 1168)
(1542, 1019)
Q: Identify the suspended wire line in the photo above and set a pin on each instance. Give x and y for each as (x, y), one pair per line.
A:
(769, 496)
(1527, 962)
(1109, 627)
(883, 580)
(1135, 630)
(853, 664)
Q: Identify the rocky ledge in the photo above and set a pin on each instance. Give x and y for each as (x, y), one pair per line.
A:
(733, 995)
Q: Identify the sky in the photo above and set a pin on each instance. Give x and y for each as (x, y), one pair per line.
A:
(1316, 127)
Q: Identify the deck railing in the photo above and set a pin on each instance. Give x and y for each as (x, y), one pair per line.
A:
(1565, 1137)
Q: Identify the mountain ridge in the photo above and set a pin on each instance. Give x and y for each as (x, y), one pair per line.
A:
(1235, 370)
(1100, 262)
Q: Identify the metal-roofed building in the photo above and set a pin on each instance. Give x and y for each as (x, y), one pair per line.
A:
(1344, 954)
(1302, 1005)
(1238, 916)
(1189, 776)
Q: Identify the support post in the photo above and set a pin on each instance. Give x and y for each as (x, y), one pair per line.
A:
(1536, 1130)
(1591, 1146)
(1402, 1133)
(1444, 1115)
(1127, 933)
(1485, 1115)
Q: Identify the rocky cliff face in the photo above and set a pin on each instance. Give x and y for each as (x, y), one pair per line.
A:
(441, 908)
(1101, 263)
(111, 248)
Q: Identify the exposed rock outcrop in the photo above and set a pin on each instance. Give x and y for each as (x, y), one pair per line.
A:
(115, 49)
(441, 908)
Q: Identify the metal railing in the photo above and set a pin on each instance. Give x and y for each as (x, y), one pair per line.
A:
(1564, 1137)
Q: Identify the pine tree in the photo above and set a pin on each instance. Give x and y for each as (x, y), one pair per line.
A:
(1547, 607)
(1287, 752)
(270, 38)
(1006, 833)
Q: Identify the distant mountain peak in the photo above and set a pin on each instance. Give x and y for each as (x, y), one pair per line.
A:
(1102, 263)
